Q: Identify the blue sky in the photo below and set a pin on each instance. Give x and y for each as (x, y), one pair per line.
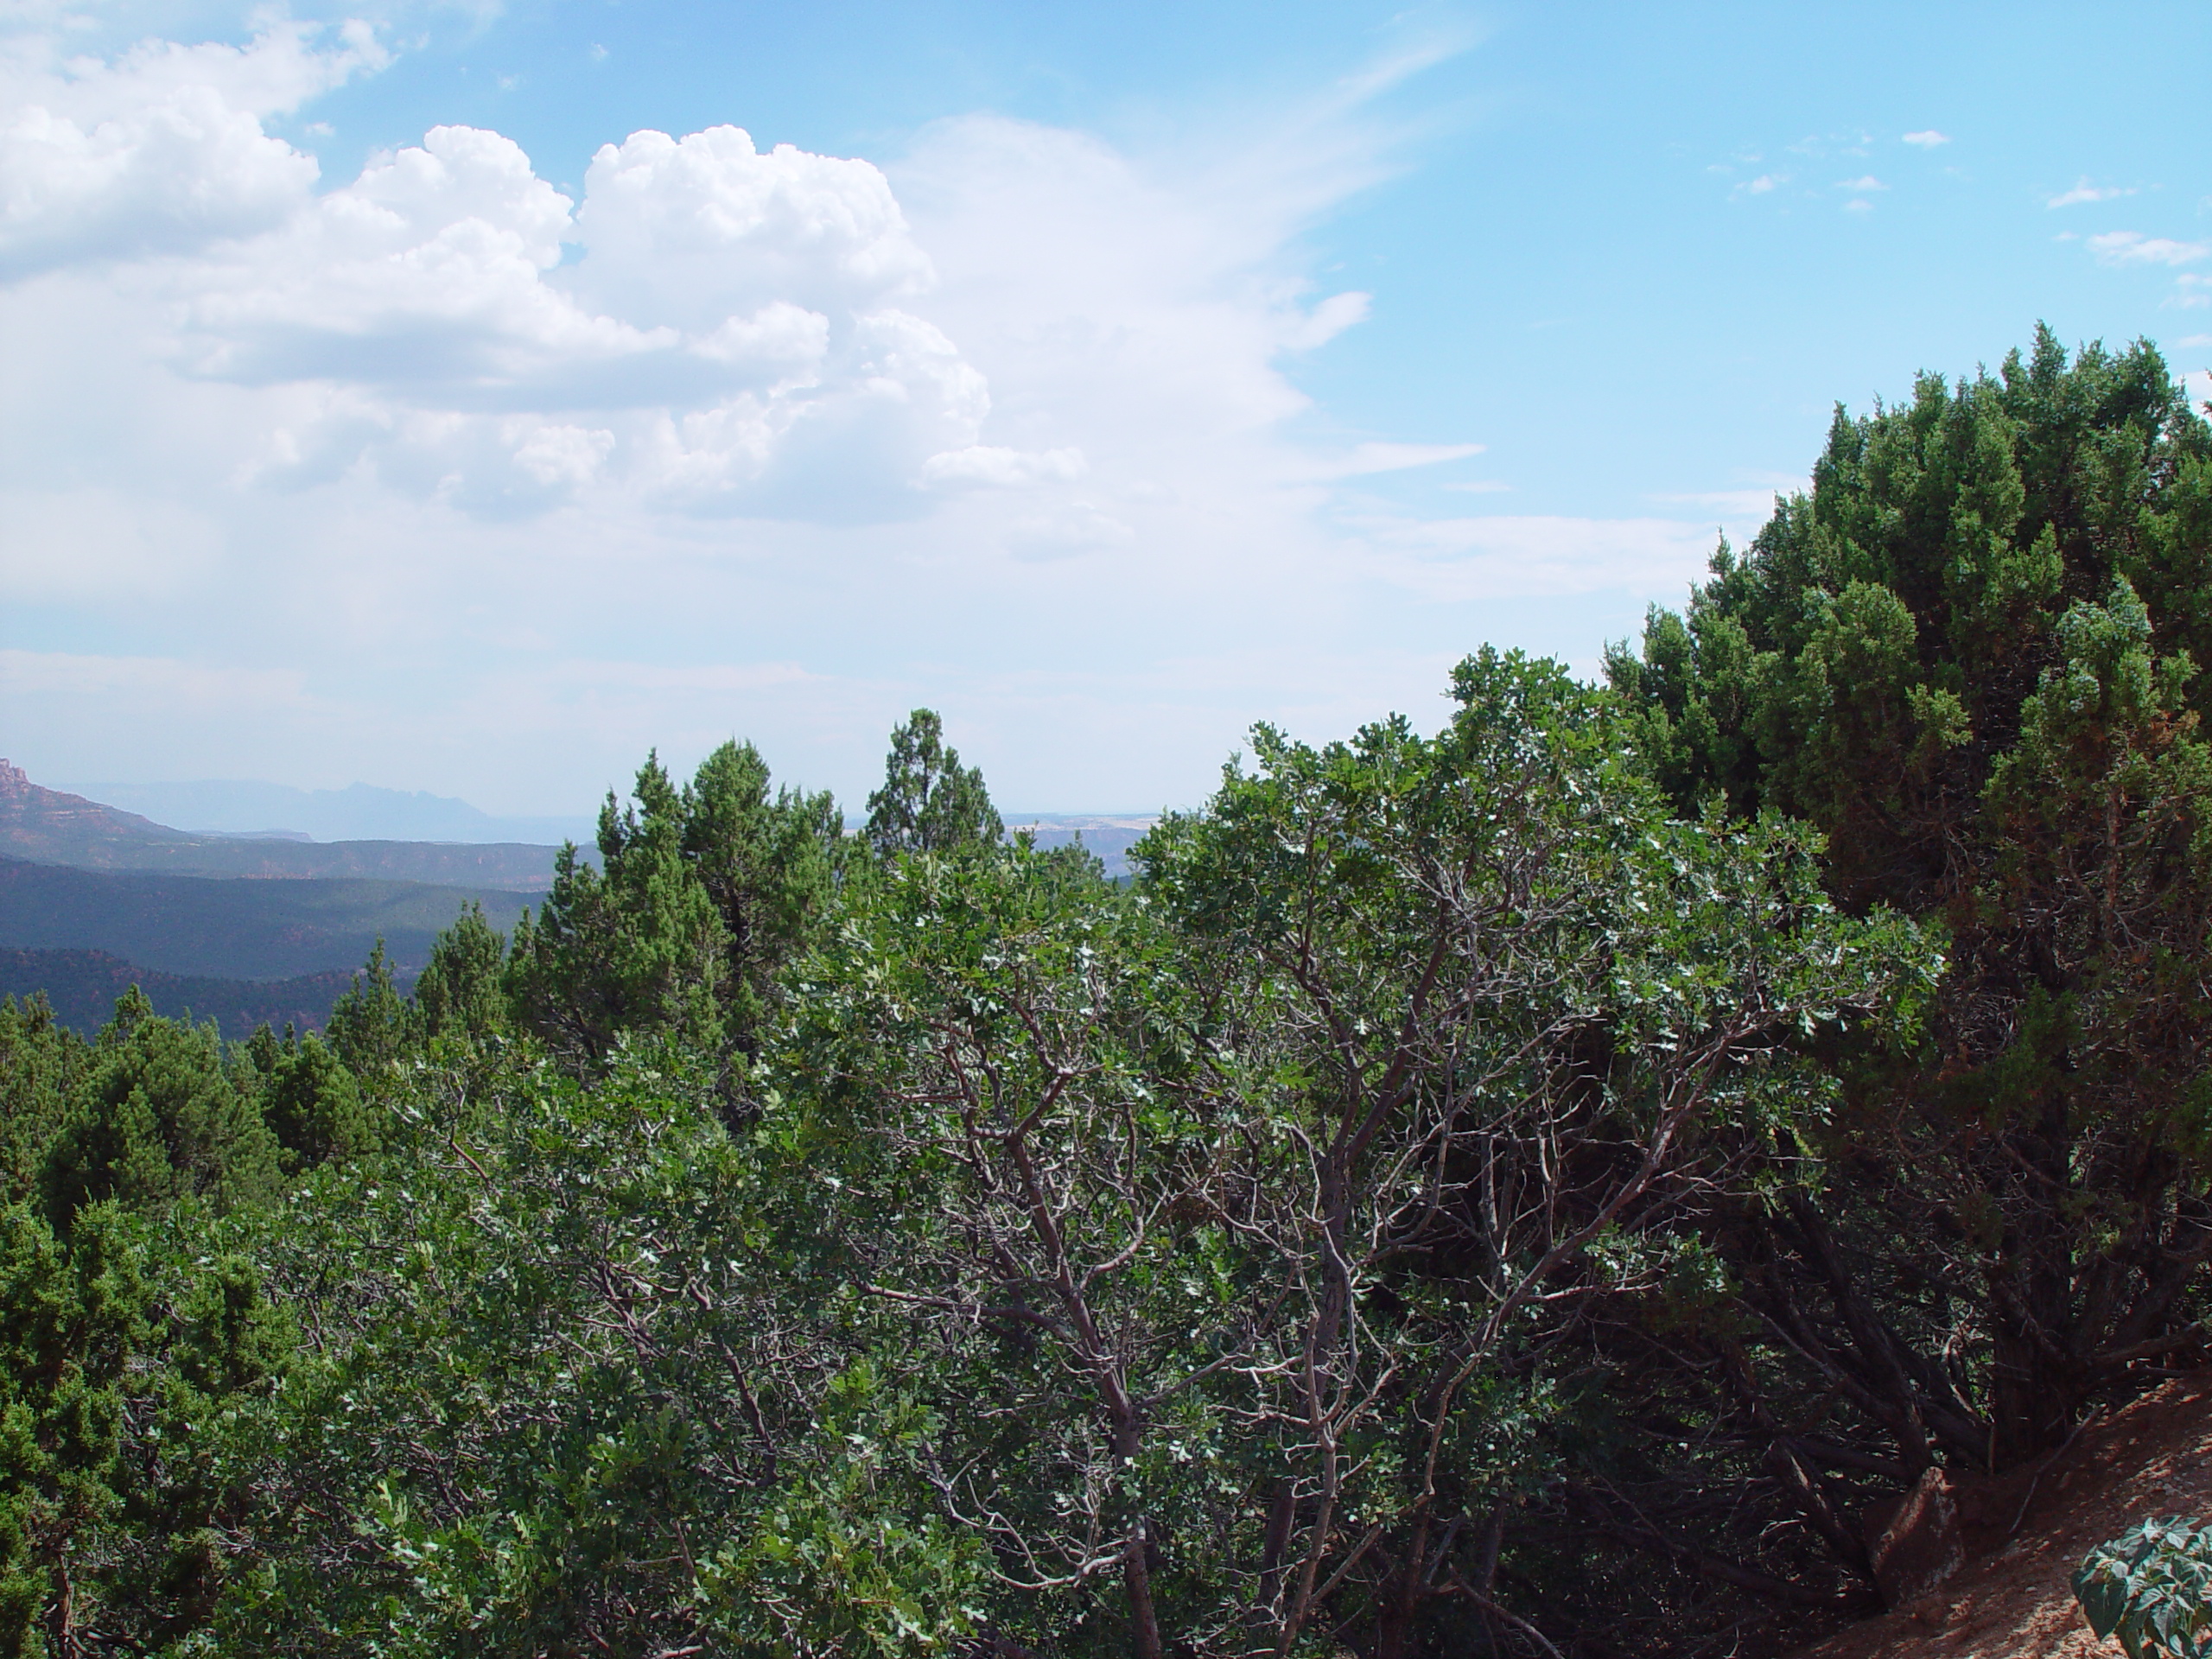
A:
(1108, 377)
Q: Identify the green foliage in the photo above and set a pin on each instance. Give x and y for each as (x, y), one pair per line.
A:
(1869, 656)
(1968, 657)
(134, 1389)
(577, 1387)
(772, 867)
(1217, 1213)
(461, 993)
(634, 946)
(846, 1561)
(41, 1063)
(980, 1039)
(706, 892)
(314, 1109)
(2152, 1588)
(158, 1120)
(1089, 1267)
(368, 1026)
(929, 802)
(72, 1322)
(1510, 1185)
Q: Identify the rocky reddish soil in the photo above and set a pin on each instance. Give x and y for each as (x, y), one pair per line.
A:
(2022, 1537)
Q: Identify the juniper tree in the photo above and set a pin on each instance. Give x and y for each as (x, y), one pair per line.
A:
(1969, 655)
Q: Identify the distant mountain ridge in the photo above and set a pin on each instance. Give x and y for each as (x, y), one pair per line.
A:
(51, 827)
(243, 928)
(358, 812)
(1107, 835)
(31, 812)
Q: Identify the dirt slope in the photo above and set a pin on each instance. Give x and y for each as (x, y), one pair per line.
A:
(2012, 1599)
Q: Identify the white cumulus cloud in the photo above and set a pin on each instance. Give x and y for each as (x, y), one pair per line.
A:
(444, 476)
(734, 319)
(425, 275)
(688, 231)
(161, 150)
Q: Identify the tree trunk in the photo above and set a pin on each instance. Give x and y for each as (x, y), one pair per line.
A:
(1136, 1568)
(1282, 1512)
(1402, 1592)
(1136, 1578)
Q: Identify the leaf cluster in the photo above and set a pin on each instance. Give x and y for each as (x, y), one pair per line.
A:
(2151, 1589)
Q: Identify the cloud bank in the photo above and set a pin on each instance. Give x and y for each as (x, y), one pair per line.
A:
(439, 477)
(161, 149)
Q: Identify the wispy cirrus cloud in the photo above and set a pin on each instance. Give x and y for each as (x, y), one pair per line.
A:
(1505, 556)
(2084, 193)
(1927, 138)
(1364, 460)
(1738, 507)
(2134, 248)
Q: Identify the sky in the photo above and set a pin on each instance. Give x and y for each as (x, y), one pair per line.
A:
(473, 398)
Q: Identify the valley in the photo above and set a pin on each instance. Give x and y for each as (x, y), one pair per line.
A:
(243, 930)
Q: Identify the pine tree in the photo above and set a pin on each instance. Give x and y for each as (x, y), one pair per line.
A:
(461, 993)
(635, 946)
(929, 802)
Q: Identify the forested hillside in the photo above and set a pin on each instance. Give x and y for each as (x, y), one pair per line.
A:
(1534, 1187)
(232, 929)
(80, 988)
(48, 826)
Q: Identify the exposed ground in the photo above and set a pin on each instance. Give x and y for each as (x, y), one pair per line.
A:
(2024, 1535)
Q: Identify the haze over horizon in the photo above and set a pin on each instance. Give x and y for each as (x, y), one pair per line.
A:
(249, 808)
(468, 399)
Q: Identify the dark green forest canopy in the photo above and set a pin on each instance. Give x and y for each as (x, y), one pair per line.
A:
(1970, 657)
(1870, 660)
(1524, 1188)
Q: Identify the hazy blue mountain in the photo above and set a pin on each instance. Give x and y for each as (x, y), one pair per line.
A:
(1109, 835)
(358, 812)
(50, 827)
